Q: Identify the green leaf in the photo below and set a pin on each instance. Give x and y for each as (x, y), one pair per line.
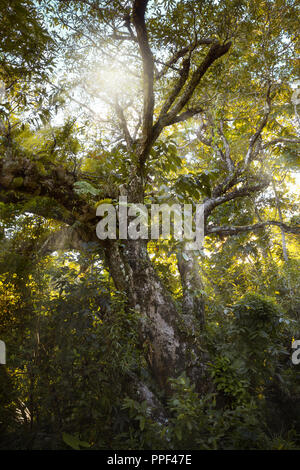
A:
(178, 433)
(83, 187)
(74, 441)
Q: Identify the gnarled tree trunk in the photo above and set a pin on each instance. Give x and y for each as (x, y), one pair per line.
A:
(168, 335)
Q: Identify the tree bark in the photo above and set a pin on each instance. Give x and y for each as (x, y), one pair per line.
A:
(167, 336)
(192, 286)
(283, 240)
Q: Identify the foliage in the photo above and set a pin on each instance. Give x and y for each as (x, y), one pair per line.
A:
(207, 113)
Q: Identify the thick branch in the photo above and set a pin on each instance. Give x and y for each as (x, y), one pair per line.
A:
(211, 203)
(236, 230)
(228, 160)
(192, 286)
(67, 238)
(215, 52)
(283, 140)
(185, 115)
(184, 73)
(284, 247)
(21, 179)
(138, 16)
(230, 181)
(123, 123)
(181, 53)
(259, 130)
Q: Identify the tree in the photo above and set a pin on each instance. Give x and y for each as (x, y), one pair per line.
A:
(207, 115)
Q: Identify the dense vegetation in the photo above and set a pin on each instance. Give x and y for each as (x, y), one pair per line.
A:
(137, 344)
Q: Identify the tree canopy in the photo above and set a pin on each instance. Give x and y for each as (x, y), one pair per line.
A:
(143, 344)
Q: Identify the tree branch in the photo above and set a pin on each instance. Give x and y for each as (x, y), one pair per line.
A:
(228, 160)
(67, 238)
(283, 140)
(212, 203)
(181, 53)
(21, 178)
(184, 73)
(185, 115)
(123, 123)
(138, 16)
(216, 51)
(260, 128)
(235, 230)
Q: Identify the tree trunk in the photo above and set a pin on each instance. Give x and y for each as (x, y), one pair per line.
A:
(169, 336)
(192, 287)
(283, 240)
